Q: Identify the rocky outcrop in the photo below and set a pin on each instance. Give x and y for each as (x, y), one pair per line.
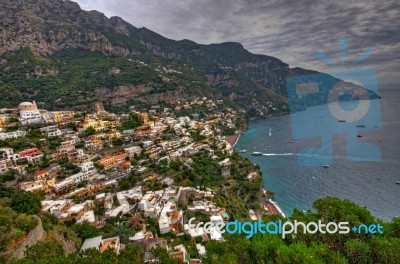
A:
(69, 246)
(121, 94)
(219, 80)
(53, 41)
(48, 26)
(170, 97)
(33, 237)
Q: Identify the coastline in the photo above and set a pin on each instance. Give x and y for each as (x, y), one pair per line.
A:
(275, 204)
(233, 139)
(270, 204)
(304, 199)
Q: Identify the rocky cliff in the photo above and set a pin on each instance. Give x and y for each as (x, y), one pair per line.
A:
(62, 56)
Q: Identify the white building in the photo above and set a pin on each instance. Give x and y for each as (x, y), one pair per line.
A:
(216, 219)
(8, 153)
(101, 244)
(201, 249)
(76, 178)
(29, 114)
(87, 217)
(55, 133)
(163, 224)
(133, 150)
(87, 167)
(122, 209)
(5, 165)
(14, 134)
(225, 166)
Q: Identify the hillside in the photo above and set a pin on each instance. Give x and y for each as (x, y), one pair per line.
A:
(61, 56)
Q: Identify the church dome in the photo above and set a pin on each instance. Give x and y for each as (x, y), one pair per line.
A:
(26, 106)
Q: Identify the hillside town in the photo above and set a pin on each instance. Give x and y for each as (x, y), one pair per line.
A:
(95, 166)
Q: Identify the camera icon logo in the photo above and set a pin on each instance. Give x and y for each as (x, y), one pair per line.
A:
(344, 104)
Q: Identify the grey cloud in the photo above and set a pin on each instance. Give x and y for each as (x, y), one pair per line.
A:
(288, 30)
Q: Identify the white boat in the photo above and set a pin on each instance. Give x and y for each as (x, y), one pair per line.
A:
(242, 151)
(256, 153)
(398, 182)
(360, 124)
(325, 166)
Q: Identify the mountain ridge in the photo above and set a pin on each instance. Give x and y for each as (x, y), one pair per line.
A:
(52, 28)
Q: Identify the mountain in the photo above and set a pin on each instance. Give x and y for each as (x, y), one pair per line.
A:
(64, 57)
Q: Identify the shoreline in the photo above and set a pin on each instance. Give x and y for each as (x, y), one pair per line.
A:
(275, 204)
(237, 139)
(233, 140)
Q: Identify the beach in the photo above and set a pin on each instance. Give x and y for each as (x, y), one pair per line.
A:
(233, 139)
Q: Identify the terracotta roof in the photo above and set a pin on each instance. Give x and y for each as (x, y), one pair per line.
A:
(41, 172)
(126, 164)
(177, 255)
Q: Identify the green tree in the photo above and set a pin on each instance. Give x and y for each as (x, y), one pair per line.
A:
(73, 126)
(196, 136)
(26, 202)
(25, 222)
(118, 142)
(85, 230)
(92, 255)
(49, 221)
(163, 257)
(34, 133)
(90, 131)
(385, 250)
(133, 122)
(395, 227)
(99, 166)
(42, 250)
(131, 254)
(358, 251)
(9, 175)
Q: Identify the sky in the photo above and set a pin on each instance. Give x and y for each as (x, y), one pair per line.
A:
(290, 30)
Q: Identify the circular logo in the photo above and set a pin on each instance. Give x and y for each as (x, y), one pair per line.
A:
(342, 88)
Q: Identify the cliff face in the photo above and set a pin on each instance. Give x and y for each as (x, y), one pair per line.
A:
(48, 26)
(54, 45)
(55, 235)
(35, 235)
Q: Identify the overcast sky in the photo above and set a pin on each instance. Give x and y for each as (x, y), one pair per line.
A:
(289, 30)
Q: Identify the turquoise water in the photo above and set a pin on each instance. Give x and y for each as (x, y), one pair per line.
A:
(367, 183)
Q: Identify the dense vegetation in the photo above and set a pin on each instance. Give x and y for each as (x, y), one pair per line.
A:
(315, 248)
(302, 248)
(69, 78)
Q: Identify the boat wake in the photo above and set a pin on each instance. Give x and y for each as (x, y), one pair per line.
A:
(290, 154)
(279, 154)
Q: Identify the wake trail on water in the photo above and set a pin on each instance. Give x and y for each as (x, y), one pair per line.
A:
(336, 157)
(289, 154)
(279, 154)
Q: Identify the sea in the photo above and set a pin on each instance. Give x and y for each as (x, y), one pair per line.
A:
(297, 184)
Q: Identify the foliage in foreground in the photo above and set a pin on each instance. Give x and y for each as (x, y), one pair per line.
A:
(315, 248)
(302, 248)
